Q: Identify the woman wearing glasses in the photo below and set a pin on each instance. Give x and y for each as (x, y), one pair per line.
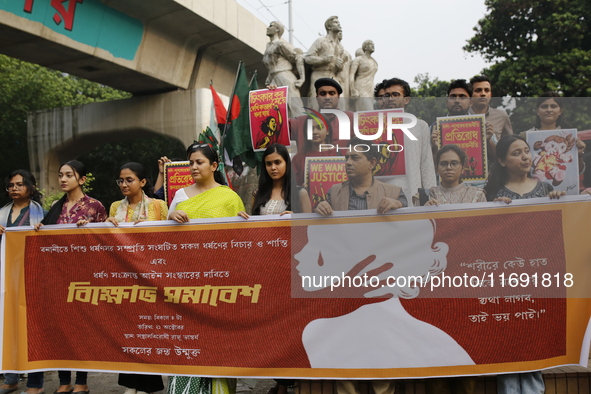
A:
(450, 163)
(24, 210)
(137, 207)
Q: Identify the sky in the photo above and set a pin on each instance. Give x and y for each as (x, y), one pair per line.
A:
(411, 36)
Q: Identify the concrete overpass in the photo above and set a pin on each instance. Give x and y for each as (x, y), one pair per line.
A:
(140, 46)
(146, 47)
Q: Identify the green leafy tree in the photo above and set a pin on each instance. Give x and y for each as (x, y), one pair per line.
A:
(26, 87)
(536, 46)
(427, 98)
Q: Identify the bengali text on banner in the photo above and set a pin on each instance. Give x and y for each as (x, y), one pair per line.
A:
(431, 292)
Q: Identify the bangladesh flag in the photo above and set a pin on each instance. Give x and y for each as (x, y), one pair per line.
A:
(237, 139)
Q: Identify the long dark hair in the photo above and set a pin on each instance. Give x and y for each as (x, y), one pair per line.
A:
(560, 121)
(140, 172)
(29, 181)
(498, 176)
(211, 155)
(55, 211)
(263, 193)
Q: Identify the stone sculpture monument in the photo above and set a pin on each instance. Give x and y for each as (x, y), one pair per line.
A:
(361, 74)
(280, 57)
(326, 56)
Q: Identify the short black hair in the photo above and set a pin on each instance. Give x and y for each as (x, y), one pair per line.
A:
(460, 84)
(379, 86)
(398, 81)
(479, 78)
(454, 148)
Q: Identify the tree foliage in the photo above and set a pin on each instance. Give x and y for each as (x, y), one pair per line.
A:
(428, 98)
(26, 87)
(536, 46)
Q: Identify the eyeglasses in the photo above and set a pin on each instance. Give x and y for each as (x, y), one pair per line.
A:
(127, 181)
(17, 186)
(546, 106)
(394, 94)
(454, 164)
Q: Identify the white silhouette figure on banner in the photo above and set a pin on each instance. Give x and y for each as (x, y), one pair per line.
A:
(383, 334)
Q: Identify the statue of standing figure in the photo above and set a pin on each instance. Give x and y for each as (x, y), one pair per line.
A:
(343, 76)
(362, 72)
(327, 56)
(279, 59)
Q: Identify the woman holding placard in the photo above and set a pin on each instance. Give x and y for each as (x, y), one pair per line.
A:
(208, 197)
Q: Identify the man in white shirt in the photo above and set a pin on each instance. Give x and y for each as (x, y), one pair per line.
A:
(420, 171)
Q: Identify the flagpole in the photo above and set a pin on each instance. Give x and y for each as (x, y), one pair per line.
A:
(254, 76)
(229, 113)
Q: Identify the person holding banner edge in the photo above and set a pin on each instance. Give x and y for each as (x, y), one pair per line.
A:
(24, 210)
(450, 161)
(74, 207)
(510, 179)
(208, 197)
(274, 195)
(137, 207)
(362, 190)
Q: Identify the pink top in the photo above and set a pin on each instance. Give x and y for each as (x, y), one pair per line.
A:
(86, 208)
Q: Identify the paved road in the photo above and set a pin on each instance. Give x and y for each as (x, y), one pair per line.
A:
(106, 383)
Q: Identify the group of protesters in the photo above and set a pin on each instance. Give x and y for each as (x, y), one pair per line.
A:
(433, 176)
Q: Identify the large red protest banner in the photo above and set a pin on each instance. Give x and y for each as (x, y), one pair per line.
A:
(231, 299)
